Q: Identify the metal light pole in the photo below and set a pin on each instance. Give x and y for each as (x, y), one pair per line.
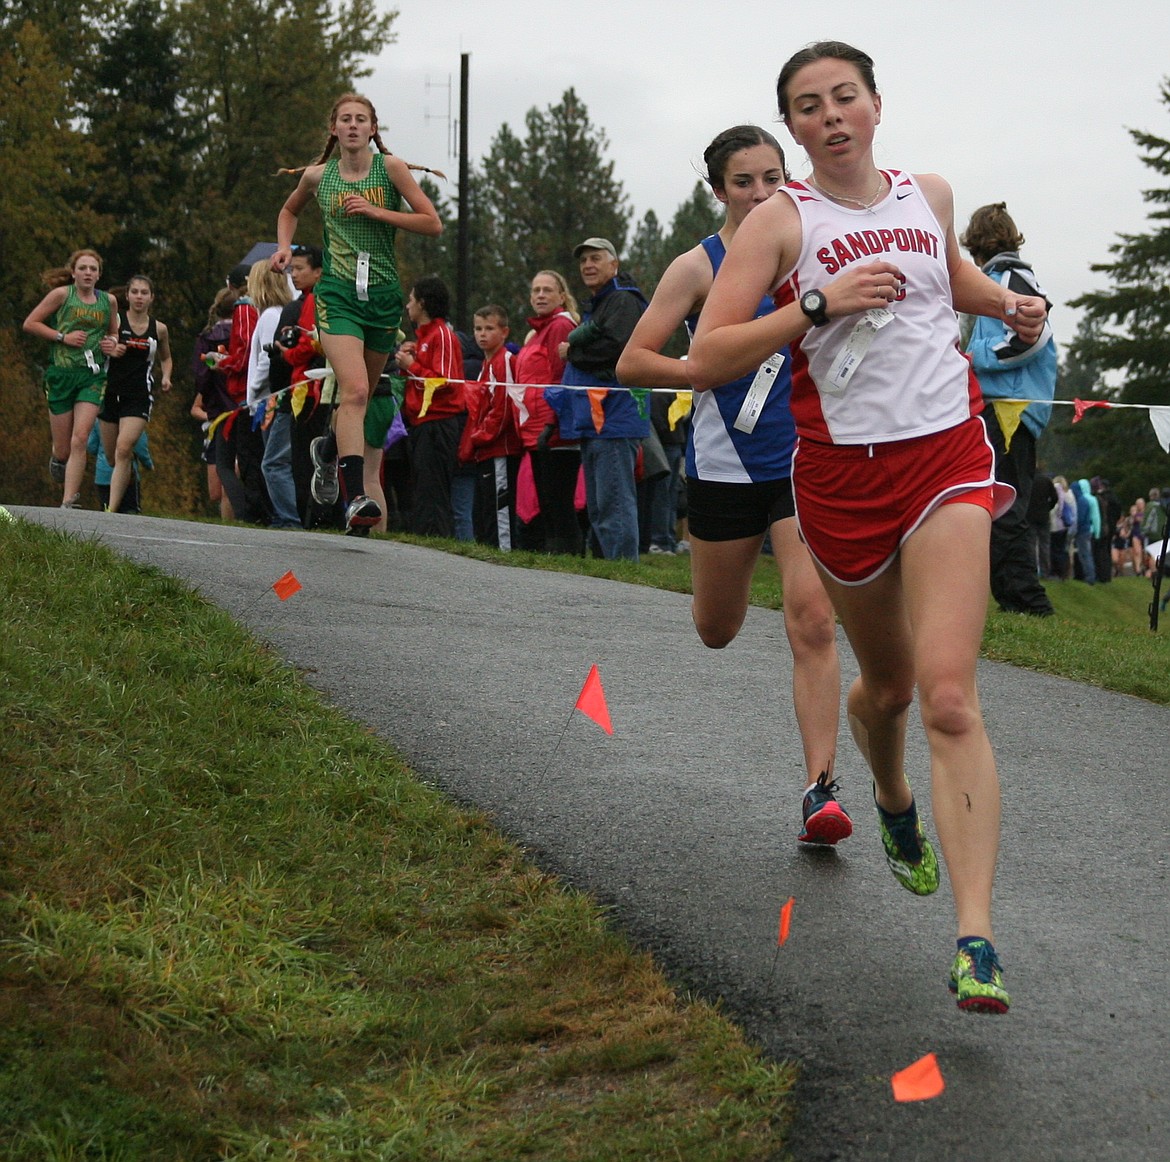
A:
(463, 244)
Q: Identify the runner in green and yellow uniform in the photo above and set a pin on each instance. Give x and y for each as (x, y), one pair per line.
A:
(82, 324)
(359, 299)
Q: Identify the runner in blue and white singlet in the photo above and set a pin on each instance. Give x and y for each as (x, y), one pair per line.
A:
(718, 450)
(739, 473)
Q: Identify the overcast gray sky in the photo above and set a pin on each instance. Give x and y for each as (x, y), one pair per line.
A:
(1026, 103)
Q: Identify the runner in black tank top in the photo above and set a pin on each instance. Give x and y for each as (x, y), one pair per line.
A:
(143, 344)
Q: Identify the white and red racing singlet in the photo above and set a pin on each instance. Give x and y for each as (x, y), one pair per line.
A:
(913, 379)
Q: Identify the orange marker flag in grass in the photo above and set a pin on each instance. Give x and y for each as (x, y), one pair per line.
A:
(785, 922)
(591, 701)
(920, 1081)
(286, 586)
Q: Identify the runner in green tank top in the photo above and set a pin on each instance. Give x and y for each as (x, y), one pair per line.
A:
(82, 324)
(359, 300)
(347, 237)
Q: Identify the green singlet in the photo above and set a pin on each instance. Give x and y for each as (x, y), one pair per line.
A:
(93, 319)
(347, 236)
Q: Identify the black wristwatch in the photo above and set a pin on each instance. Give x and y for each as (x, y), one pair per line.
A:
(813, 303)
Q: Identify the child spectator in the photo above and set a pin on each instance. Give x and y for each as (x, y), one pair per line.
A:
(491, 436)
(103, 473)
(434, 412)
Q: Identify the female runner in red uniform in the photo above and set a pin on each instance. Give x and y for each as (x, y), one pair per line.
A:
(893, 473)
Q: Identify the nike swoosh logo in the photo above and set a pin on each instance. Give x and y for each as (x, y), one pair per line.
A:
(899, 197)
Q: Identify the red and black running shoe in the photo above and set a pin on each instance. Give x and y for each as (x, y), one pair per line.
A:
(825, 820)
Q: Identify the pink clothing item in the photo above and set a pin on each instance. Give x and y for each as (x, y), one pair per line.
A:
(536, 363)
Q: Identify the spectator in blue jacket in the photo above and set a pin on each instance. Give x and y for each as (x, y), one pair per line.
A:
(611, 425)
(1009, 368)
(1088, 528)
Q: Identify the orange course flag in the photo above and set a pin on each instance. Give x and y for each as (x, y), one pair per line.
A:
(785, 922)
(286, 586)
(920, 1081)
(597, 406)
(591, 701)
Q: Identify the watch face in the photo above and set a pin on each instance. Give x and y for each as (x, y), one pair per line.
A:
(813, 301)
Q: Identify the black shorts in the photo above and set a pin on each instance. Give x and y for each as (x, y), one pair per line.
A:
(121, 403)
(730, 512)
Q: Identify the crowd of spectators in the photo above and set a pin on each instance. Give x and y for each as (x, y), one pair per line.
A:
(519, 439)
(1081, 531)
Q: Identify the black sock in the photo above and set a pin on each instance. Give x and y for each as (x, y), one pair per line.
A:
(349, 471)
(329, 448)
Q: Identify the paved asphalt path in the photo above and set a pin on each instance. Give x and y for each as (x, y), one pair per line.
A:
(684, 822)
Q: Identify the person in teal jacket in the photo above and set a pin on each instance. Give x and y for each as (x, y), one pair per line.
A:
(1008, 368)
(1088, 527)
(103, 473)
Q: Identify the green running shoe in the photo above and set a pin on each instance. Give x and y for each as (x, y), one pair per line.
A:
(977, 979)
(908, 851)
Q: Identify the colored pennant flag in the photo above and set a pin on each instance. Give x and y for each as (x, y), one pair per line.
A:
(430, 386)
(1008, 413)
(591, 701)
(597, 406)
(785, 922)
(299, 392)
(641, 401)
(1160, 418)
(286, 586)
(1080, 406)
(920, 1081)
(680, 408)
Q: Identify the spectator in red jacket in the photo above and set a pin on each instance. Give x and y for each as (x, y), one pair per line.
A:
(554, 463)
(248, 444)
(433, 407)
(491, 437)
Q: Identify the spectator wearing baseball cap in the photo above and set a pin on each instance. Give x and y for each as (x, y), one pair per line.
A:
(610, 424)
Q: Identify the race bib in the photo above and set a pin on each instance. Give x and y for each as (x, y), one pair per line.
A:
(363, 276)
(757, 394)
(853, 351)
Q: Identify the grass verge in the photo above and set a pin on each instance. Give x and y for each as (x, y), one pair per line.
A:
(232, 925)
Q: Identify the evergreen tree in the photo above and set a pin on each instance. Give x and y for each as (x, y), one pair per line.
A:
(537, 198)
(259, 78)
(71, 29)
(136, 123)
(648, 256)
(1074, 449)
(1131, 334)
(419, 255)
(700, 215)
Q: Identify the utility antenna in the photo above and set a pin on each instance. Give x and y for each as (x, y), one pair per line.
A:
(452, 124)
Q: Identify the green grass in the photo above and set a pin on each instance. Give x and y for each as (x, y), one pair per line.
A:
(233, 925)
